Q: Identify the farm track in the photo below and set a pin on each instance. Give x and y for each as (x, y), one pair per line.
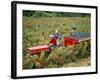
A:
(79, 63)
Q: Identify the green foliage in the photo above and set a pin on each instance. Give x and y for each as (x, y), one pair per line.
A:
(53, 14)
(36, 31)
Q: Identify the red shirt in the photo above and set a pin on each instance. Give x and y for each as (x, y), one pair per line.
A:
(53, 41)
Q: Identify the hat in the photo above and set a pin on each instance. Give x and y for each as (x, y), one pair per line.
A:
(51, 36)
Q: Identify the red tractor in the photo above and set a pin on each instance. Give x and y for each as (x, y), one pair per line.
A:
(57, 40)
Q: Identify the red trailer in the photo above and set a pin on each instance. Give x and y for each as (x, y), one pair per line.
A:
(69, 41)
(39, 49)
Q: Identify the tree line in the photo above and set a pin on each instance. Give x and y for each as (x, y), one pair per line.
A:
(30, 13)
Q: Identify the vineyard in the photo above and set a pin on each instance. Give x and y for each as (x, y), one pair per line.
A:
(36, 31)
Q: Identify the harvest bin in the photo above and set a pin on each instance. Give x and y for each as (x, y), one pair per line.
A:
(69, 41)
(39, 49)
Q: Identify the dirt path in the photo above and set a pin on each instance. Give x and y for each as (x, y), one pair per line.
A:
(79, 63)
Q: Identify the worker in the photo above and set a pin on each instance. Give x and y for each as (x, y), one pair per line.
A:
(56, 39)
(53, 41)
